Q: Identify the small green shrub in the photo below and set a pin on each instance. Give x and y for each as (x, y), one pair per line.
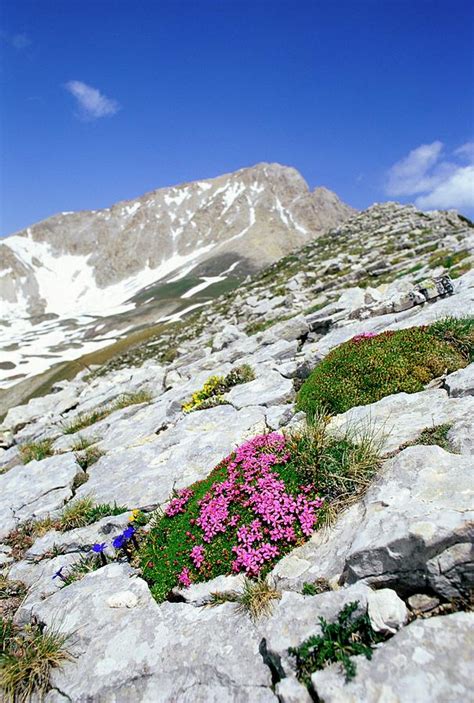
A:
(88, 456)
(211, 394)
(84, 420)
(26, 660)
(313, 588)
(369, 367)
(346, 637)
(36, 450)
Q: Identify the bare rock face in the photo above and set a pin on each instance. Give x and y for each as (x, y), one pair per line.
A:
(407, 668)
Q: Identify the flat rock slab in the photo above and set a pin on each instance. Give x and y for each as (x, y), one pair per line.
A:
(461, 383)
(81, 538)
(268, 389)
(294, 618)
(36, 489)
(412, 530)
(401, 417)
(150, 653)
(51, 405)
(429, 661)
(146, 475)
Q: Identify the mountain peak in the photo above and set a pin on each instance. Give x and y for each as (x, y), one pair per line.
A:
(148, 258)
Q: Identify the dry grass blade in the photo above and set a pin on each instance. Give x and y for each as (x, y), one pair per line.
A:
(27, 659)
(255, 598)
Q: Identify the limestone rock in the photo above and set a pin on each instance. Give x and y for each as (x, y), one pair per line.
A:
(267, 389)
(387, 612)
(422, 603)
(36, 489)
(152, 653)
(401, 417)
(412, 530)
(122, 599)
(145, 474)
(289, 690)
(294, 328)
(461, 383)
(429, 661)
(279, 415)
(229, 334)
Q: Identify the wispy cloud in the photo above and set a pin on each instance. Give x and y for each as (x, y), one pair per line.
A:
(437, 181)
(91, 102)
(18, 41)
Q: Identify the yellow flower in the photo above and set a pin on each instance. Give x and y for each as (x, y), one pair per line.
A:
(134, 515)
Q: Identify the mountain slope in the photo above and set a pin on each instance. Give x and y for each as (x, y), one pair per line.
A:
(78, 281)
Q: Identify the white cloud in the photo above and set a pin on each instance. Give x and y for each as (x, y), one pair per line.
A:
(410, 174)
(439, 183)
(457, 191)
(466, 151)
(92, 103)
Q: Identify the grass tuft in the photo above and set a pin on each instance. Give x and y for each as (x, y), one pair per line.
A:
(83, 511)
(84, 420)
(85, 565)
(438, 435)
(26, 659)
(313, 588)
(36, 450)
(255, 599)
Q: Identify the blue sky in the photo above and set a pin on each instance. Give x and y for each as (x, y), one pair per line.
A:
(104, 100)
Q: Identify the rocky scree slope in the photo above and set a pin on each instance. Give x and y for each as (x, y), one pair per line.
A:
(402, 550)
(78, 281)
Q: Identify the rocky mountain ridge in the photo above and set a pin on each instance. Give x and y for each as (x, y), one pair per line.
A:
(402, 549)
(78, 281)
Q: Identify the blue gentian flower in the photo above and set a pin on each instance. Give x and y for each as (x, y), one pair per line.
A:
(119, 541)
(59, 574)
(128, 533)
(99, 548)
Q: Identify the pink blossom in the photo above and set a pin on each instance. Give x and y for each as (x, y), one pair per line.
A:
(183, 578)
(197, 555)
(177, 504)
(363, 335)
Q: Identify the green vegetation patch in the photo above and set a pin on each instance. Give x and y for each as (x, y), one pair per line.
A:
(211, 394)
(436, 435)
(369, 367)
(340, 640)
(258, 504)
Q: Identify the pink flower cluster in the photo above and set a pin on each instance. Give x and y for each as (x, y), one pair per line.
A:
(251, 483)
(177, 504)
(363, 335)
(197, 555)
(184, 577)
